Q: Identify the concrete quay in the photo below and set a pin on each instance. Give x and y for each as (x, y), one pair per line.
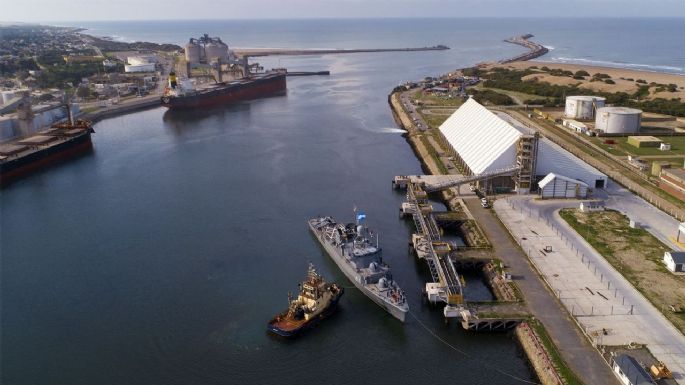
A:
(572, 345)
(607, 308)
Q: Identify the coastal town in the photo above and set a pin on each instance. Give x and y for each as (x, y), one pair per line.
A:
(563, 186)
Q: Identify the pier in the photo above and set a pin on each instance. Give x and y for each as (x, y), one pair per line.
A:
(536, 50)
(446, 286)
(255, 52)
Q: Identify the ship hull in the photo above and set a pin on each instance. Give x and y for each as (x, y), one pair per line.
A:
(352, 275)
(332, 307)
(270, 85)
(19, 167)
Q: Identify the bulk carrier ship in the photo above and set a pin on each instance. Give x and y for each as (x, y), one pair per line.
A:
(60, 141)
(214, 60)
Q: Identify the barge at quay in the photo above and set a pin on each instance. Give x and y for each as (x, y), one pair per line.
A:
(316, 301)
(351, 248)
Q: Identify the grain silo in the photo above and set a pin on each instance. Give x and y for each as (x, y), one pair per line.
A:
(618, 120)
(583, 107)
(193, 50)
(216, 50)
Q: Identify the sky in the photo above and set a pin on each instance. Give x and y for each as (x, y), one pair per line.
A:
(91, 10)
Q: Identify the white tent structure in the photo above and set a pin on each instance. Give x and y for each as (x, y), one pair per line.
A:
(554, 159)
(559, 186)
(483, 140)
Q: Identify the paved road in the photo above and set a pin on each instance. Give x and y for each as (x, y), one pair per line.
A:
(658, 223)
(581, 357)
(589, 286)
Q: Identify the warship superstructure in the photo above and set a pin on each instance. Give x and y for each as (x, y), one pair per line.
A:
(352, 248)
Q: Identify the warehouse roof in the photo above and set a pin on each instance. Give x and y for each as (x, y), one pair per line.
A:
(482, 139)
(677, 256)
(552, 176)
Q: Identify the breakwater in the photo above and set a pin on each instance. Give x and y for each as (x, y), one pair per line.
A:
(535, 50)
(254, 52)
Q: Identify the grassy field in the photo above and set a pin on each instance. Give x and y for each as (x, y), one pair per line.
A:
(637, 254)
(519, 97)
(434, 121)
(434, 100)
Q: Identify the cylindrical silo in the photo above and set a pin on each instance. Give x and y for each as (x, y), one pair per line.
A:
(583, 107)
(618, 120)
(216, 50)
(193, 52)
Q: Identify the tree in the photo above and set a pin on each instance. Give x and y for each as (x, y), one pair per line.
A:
(83, 92)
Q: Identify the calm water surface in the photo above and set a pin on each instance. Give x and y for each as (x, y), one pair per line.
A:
(159, 257)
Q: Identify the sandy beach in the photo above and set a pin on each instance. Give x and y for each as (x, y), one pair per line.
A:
(621, 76)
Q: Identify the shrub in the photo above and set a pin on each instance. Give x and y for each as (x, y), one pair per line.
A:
(581, 73)
(609, 81)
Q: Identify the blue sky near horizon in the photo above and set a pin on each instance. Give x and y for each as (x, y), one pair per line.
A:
(90, 10)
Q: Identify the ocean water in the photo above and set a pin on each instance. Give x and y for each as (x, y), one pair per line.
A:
(652, 44)
(159, 257)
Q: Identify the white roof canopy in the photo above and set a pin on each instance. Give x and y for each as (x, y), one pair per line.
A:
(482, 139)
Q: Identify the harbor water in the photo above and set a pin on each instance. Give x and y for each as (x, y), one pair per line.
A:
(159, 257)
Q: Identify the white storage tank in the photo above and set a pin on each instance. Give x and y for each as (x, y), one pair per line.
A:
(193, 52)
(618, 120)
(583, 107)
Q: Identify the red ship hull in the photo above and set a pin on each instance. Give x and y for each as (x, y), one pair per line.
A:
(225, 94)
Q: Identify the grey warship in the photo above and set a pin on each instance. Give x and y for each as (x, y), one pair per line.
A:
(352, 249)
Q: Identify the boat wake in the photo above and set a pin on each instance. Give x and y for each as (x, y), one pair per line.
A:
(391, 130)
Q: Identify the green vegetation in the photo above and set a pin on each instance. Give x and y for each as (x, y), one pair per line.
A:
(609, 81)
(581, 73)
(434, 155)
(636, 253)
(641, 92)
(560, 365)
(491, 97)
(511, 80)
(10, 67)
(541, 101)
(57, 76)
(601, 76)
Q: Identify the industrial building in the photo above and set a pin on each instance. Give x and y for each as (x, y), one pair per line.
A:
(583, 107)
(618, 120)
(644, 141)
(575, 125)
(675, 261)
(673, 181)
(482, 142)
(206, 50)
(30, 119)
(629, 371)
(145, 63)
(558, 186)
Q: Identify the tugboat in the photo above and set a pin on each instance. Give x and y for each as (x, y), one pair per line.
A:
(317, 300)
